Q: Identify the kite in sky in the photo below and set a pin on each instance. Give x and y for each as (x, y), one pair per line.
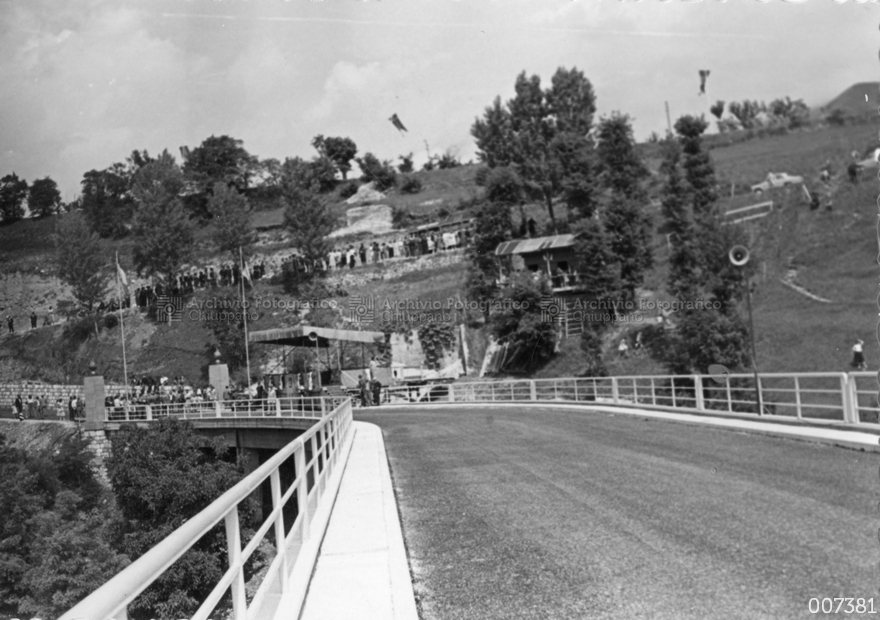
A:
(397, 123)
(704, 73)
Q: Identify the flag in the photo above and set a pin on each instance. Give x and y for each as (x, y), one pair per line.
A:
(121, 277)
(397, 123)
(704, 73)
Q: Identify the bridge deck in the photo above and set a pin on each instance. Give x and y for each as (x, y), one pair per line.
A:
(546, 513)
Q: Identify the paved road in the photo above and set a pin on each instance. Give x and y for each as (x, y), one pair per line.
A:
(544, 514)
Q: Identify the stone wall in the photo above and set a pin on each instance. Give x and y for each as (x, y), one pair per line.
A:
(99, 444)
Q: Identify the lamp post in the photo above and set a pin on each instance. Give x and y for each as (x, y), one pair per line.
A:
(739, 256)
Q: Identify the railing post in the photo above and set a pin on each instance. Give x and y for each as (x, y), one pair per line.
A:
(149, 411)
(302, 492)
(797, 397)
(849, 413)
(218, 407)
(233, 548)
(278, 407)
(615, 395)
(672, 383)
(576, 399)
(729, 403)
(533, 393)
(451, 394)
(698, 391)
(280, 546)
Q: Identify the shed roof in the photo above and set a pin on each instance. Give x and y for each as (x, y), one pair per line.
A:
(307, 336)
(538, 244)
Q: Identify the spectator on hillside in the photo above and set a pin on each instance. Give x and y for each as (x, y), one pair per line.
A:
(373, 366)
(33, 320)
(622, 348)
(31, 407)
(858, 361)
(72, 407)
(41, 407)
(59, 408)
(853, 172)
(18, 406)
(363, 254)
(362, 390)
(10, 323)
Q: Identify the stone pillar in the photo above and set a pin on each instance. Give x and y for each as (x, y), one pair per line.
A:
(218, 377)
(93, 395)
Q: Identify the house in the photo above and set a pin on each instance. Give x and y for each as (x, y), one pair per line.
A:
(553, 256)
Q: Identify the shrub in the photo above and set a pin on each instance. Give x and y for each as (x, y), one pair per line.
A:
(837, 117)
(410, 185)
(380, 173)
(481, 176)
(348, 189)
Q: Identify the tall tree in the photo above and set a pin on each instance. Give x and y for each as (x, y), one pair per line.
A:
(217, 159)
(80, 260)
(162, 229)
(493, 227)
(539, 131)
(232, 222)
(106, 200)
(44, 199)
(683, 277)
(625, 219)
(338, 150)
(13, 191)
(308, 218)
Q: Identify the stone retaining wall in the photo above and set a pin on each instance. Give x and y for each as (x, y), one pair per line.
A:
(52, 392)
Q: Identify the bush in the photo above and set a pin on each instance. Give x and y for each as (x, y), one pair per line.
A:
(410, 185)
(837, 117)
(380, 173)
(348, 189)
(481, 176)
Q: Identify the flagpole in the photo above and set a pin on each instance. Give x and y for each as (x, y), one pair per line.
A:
(247, 355)
(122, 327)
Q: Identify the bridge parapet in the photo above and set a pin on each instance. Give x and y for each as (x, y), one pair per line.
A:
(318, 455)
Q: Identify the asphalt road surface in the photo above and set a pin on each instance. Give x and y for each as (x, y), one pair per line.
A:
(541, 513)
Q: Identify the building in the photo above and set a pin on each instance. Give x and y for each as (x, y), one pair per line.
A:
(552, 256)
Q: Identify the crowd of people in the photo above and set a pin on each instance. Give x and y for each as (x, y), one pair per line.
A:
(39, 407)
(411, 246)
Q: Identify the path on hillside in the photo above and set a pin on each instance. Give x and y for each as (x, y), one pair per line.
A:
(554, 514)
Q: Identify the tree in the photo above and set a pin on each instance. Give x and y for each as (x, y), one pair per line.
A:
(338, 150)
(406, 164)
(380, 173)
(520, 325)
(106, 201)
(529, 132)
(309, 221)
(13, 191)
(717, 109)
(162, 229)
(232, 222)
(44, 199)
(217, 159)
(161, 477)
(504, 187)
(317, 175)
(493, 227)
(629, 234)
(626, 223)
(683, 276)
(80, 260)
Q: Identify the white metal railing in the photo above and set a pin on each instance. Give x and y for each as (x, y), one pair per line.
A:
(284, 407)
(316, 454)
(833, 397)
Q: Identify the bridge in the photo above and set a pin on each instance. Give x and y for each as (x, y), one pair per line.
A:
(568, 497)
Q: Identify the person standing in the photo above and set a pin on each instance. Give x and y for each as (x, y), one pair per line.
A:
(622, 348)
(362, 390)
(377, 391)
(858, 361)
(33, 320)
(10, 323)
(72, 406)
(31, 407)
(18, 405)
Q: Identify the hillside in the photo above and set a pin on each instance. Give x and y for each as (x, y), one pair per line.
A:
(859, 99)
(832, 252)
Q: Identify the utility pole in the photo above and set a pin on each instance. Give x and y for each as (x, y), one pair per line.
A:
(668, 121)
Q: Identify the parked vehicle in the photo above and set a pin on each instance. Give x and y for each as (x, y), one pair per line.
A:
(776, 179)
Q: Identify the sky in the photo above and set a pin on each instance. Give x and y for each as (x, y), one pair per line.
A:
(85, 82)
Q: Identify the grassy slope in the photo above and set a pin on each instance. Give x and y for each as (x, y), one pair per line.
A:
(835, 252)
